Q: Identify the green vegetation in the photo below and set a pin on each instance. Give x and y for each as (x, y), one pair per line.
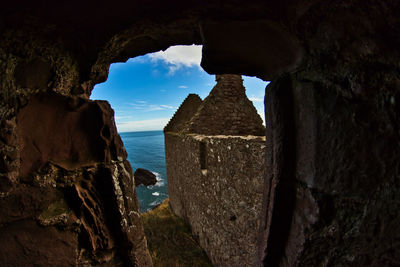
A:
(55, 209)
(170, 241)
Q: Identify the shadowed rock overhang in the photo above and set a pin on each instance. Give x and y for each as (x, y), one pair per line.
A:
(331, 193)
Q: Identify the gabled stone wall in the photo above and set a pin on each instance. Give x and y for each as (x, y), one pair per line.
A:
(215, 181)
(226, 110)
(216, 184)
(184, 113)
(332, 115)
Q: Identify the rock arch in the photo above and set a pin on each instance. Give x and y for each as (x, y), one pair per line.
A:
(331, 111)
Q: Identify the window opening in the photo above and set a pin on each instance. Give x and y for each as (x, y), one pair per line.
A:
(203, 156)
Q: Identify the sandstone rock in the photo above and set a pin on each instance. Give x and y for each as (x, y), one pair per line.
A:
(29, 244)
(76, 187)
(335, 90)
(82, 131)
(144, 177)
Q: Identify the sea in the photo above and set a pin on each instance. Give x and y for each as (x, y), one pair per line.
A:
(146, 150)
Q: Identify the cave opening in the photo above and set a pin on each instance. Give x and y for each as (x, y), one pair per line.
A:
(148, 92)
(145, 92)
(334, 91)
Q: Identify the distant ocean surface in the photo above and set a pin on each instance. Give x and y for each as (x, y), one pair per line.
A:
(146, 150)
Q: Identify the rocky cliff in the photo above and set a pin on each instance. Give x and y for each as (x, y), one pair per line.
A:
(68, 197)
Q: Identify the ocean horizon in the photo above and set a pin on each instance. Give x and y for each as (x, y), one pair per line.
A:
(146, 150)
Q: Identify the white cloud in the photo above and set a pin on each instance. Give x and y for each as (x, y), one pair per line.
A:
(256, 99)
(149, 107)
(143, 125)
(157, 107)
(166, 106)
(182, 86)
(260, 112)
(117, 118)
(138, 106)
(178, 56)
(154, 108)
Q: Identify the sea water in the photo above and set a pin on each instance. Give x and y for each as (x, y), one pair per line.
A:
(146, 150)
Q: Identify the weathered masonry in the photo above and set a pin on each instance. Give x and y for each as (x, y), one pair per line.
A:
(332, 191)
(216, 171)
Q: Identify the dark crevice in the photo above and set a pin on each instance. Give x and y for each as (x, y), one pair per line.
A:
(284, 161)
(73, 200)
(124, 190)
(112, 215)
(99, 185)
(203, 156)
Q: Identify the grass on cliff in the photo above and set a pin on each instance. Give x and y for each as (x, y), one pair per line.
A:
(170, 241)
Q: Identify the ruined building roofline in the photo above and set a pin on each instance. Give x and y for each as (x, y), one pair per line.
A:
(184, 113)
(221, 136)
(226, 111)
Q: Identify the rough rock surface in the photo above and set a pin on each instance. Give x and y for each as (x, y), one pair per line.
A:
(144, 177)
(71, 200)
(331, 194)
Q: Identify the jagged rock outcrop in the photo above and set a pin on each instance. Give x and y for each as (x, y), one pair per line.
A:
(144, 177)
(73, 201)
(331, 194)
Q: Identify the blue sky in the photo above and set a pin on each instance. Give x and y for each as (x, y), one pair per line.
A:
(146, 91)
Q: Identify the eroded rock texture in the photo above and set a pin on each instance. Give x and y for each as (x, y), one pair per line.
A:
(331, 195)
(334, 143)
(144, 177)
(73, 202)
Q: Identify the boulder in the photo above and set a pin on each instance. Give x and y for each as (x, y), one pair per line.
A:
(144, 177)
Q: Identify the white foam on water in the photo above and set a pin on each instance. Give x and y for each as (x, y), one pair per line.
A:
(157, 175)
(159, 180)
(155, 194)
(160, 183)
(154, 203)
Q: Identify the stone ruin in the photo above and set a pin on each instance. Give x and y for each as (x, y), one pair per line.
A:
(215, 170)
(226, 110)
(331, 194)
